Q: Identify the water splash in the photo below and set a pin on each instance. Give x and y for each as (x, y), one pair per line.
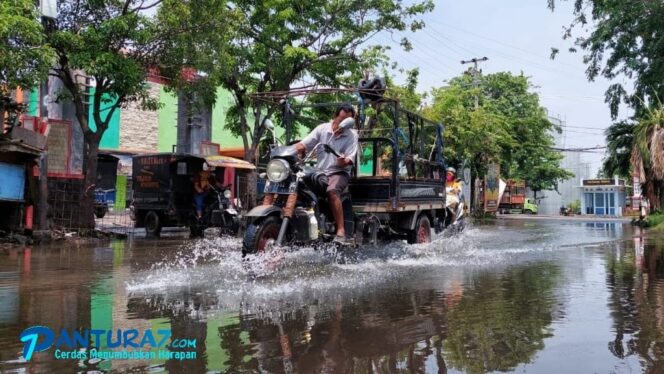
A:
(215, 265)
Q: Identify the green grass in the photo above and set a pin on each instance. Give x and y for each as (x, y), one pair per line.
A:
(655, 219)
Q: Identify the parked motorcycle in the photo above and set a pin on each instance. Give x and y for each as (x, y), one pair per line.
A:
(220, 212)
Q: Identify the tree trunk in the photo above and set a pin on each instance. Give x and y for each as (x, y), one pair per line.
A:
(651, 193)
(91, 151)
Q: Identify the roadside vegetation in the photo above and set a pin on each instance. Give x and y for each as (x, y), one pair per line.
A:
(654, 220)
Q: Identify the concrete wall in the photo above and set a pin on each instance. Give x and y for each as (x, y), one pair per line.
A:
(193, 125)
(139, 129)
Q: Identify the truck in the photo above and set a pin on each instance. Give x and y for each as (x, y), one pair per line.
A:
(514, 200)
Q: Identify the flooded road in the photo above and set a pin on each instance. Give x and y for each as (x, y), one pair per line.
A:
(510, 296)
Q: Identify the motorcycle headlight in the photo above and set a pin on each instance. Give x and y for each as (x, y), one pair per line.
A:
(227, 194)
(277, 170)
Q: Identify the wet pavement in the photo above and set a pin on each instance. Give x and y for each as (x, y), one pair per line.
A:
(510, 296)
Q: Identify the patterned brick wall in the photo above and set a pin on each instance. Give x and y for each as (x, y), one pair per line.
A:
(139, 129)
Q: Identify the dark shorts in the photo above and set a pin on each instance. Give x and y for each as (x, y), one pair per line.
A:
(199, 201)
(337, 182)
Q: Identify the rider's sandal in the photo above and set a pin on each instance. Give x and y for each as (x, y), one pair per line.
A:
(339, 240)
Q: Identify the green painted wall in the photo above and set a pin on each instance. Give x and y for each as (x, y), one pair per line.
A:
(219, 133)
(168, 120)
(33, 102)
(111, 138)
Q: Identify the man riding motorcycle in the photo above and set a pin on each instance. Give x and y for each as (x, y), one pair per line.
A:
(337, 169)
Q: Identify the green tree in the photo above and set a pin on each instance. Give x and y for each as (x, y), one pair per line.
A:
(106, 47)
(625, 39)
(529, 156)
(619, 141)
(24, 56)
(280, 43)
(509, 127)
(477, 135)
(407, 94)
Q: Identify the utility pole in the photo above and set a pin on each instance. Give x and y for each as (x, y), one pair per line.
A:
(475, 187)
(476, 75)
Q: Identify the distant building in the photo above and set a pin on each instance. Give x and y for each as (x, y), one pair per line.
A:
(550, 201)
(603, 197)
(134, 130)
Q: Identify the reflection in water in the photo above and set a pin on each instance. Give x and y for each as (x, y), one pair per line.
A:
(495, 323)
(635, 277)
(503, 321)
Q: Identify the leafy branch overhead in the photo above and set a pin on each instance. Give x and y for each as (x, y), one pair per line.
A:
(24, 56)
(273, 45)
(625, 40)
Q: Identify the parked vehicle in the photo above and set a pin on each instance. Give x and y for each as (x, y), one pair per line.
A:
(163, 195)
(107, 172)
(530, 206)
(393, 193)
(514, 200)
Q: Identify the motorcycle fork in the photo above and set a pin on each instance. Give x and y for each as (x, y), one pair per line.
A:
(289, 209)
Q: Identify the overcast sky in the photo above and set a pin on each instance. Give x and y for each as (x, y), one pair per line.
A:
(516, 36)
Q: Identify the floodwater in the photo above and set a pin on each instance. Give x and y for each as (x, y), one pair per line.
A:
(510, 296)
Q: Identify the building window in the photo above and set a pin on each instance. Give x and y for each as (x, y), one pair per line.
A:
(590, 206)
(612, 204)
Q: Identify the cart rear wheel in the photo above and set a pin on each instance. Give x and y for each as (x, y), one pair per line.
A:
(422, 232)
(152, 224)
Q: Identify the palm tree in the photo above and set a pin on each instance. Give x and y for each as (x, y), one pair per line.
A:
(647, 156)
(619, 141)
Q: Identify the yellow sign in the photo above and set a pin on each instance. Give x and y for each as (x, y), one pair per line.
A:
(492, 188)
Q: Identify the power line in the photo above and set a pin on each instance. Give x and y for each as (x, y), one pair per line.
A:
(509, 57)
(406, 56)
(502, 43)
(582, 149)
(584, 127)
(585, 132)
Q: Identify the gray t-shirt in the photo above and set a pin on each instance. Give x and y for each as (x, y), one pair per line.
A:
(344, 143)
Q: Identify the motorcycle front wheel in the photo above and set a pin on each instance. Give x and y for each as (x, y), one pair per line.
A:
(260, 234)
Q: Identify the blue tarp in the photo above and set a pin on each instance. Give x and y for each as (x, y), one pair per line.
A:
(12, 182)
